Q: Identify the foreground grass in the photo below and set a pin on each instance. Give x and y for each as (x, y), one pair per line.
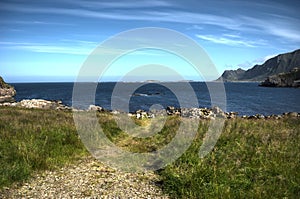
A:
(252, 158)
(33, 140)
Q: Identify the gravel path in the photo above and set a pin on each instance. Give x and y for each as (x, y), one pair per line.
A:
(87, 179)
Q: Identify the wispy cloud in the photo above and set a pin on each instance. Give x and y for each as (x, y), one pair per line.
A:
(276, 25)
(232, 35)
(261, 60)
(123, 4)
(139, 14)
(55, 49)
(70, 47)
(48, 48)
(32, 22)
(267, 24)
(228, 41)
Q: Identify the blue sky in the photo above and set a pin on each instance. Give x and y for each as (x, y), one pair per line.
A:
(50, 40)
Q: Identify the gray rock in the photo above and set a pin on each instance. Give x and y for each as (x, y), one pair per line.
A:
(292, 114)
(95, 108)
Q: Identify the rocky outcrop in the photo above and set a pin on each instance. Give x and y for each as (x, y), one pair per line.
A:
(38, 104)
(282, 63)
(7, 92)
(290, 79)
(200, 113)
(206, 114)
(41, 104)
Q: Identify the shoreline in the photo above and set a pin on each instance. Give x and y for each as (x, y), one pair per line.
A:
(198, 113)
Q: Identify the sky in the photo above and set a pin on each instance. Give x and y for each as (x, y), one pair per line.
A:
(49, 41)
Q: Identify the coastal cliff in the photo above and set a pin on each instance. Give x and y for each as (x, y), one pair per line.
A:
(282, 63)
(290, 79)
(7, 92)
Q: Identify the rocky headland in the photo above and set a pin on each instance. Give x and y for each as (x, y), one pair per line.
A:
(282, 63)
(289, 79)
(7, 92)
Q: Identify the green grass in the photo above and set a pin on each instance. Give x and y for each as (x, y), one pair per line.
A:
(136, 144)
(33, 140)
(252, 158)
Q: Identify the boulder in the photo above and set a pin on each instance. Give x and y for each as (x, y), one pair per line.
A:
(95, 108)
(292, 114)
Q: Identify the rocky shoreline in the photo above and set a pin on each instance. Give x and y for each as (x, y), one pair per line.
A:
(199, 113)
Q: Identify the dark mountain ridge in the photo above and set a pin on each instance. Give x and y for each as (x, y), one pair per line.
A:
(281, 63)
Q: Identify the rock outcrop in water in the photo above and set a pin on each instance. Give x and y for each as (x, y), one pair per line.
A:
(282, 63)
(7, 92)
(290, 79)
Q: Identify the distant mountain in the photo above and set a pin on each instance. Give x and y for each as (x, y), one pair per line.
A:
(282, 63)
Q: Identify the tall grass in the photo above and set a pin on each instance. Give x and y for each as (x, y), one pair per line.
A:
(252, 159)
(32, 140)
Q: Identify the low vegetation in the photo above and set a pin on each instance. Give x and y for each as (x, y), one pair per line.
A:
(33, 140)
(252, 158)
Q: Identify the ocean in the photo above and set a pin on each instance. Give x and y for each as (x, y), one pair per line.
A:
(244, 98)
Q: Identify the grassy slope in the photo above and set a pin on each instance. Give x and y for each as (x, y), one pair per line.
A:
(253, 158)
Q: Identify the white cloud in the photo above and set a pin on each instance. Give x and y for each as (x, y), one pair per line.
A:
(232, 35)
(123, 4)
(55, 49)
(227, 41)
(47, 48)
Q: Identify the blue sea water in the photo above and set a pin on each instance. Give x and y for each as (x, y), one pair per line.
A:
(244, 98)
